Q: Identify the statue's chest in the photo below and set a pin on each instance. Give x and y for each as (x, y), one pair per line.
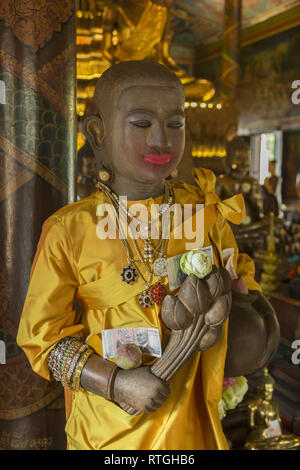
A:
(267, 413)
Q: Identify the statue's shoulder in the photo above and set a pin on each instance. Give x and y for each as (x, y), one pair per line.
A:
(226, 179)
(224, 182)
(253, 404)
(183, 190)
(76, 210)
(251, 179)
(204, 183)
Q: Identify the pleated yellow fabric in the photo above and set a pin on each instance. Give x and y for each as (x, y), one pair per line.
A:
(72, 265)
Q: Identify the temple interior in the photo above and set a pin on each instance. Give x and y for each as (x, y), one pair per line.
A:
(238, 61)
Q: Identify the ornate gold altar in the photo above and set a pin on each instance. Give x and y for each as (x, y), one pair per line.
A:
(115, 31)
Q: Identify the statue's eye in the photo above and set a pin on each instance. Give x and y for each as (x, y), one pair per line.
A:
(143, 124)
(175, 124)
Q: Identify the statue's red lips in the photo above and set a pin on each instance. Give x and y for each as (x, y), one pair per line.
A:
(158, 159)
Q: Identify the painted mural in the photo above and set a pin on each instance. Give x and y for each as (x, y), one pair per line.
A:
(199, 21)
(268, 69)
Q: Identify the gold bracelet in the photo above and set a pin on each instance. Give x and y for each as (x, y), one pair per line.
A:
(80, 365)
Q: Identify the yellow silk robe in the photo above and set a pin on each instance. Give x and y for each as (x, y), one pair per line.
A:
(71, 262)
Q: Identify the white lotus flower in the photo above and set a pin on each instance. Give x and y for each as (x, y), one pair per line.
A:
(196, 262)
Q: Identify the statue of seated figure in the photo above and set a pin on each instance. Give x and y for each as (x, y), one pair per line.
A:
(238, 180)
(265, 421)
(251, 233)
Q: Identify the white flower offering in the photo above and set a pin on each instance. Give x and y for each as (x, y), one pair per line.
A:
(196, 262)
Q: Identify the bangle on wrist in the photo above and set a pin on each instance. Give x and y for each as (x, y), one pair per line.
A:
(64, 359)
(75, 386)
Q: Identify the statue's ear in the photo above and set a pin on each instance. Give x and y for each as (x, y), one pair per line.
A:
(93, 128)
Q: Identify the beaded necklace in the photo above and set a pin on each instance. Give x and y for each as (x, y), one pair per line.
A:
(153, 258)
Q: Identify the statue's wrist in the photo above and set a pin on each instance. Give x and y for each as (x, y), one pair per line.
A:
(98, 376)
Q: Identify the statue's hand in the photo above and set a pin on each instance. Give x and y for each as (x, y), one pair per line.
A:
(193, 300)
(140, 389)
(208, 299)
(178, 312)
(219, 286)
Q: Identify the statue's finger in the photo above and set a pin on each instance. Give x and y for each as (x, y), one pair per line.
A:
(219, 311)
(183, 317)
(210, 338)
(214, 283)
(194, 295)
(174, 314)
(167, 312)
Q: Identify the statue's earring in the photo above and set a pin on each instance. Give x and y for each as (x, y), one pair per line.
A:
(174, 173)
(104, 175)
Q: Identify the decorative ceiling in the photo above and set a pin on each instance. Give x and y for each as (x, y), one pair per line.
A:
(198, 22)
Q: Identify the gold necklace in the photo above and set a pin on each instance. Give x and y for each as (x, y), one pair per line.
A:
(129, 274)
(159, 265)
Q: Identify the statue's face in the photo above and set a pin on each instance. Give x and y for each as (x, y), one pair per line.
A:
(146, 135)
(268, 394)
(239, 164)
(266, 391)
(142, 337)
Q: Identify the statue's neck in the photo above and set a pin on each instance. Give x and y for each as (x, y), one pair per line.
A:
(137, 190)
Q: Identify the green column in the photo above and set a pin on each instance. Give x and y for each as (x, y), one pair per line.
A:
(37, 176)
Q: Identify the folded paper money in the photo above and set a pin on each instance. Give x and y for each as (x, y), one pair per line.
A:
(147, 339)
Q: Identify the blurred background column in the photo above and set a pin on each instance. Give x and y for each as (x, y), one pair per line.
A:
(231, 50)
(37, 176)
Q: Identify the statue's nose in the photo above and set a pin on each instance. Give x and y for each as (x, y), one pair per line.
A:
(158, 139)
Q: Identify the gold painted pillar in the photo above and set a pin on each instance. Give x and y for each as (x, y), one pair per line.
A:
(37, 176)
(231, 51)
